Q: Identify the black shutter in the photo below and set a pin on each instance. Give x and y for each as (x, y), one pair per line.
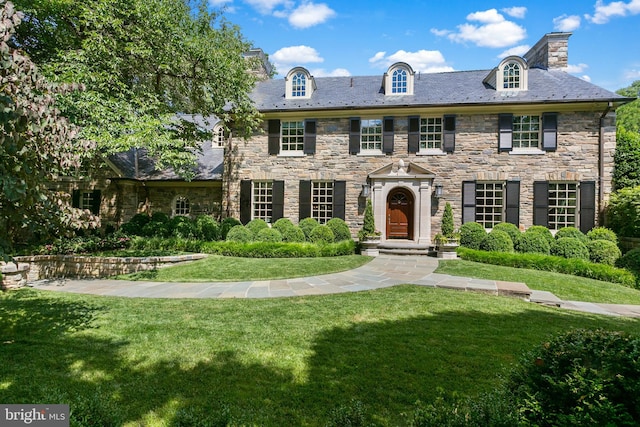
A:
(277, 200)
(449, 134)
(587, 205)
(468, 201)
(505, 124)
(387, 135)
(354, 135)
(339, 199)
(274, 136)
(414, 134)
(309, 136)
(245, 201)
(513, 202)
(304, 201)
(550, 131)
(95, 205)
(75, 199)
(541, 203)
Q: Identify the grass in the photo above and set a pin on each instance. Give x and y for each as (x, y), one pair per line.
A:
(267, 362)
(231, 269)
(565, 287)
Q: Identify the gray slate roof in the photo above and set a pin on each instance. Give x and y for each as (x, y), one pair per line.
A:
(438, 89)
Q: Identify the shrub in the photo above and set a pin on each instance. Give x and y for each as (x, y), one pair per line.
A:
(582, 377)
(135, 224)
(571, 232)
(182, 227)
(497, 241)
(576, 267)
(322, 235)
(340, 229)
(511, 229)
(368, 225)
(160, 217)
(240, 233)
(307, 225)
(255, 225)
(570, 247)
(352, 415)
(282, 224)
(207, 228)
(269, 235)
(544, 231)
(226, 225)
(602, 233)
(155, 229)
(631, 261)
(293, 234)
(447, 221)
(278, 249)
(623, 212)
(532, 243)
(626, 171)
(471, 235)
(603, 251)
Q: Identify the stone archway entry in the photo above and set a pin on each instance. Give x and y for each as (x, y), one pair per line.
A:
(400, 214)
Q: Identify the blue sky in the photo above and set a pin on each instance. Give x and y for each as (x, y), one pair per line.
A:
(357, 37)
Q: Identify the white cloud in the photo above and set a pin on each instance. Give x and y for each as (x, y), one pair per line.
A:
(338, 72)
(310, 14)
(632, 74)
(265, 7)
(586, 78)
(566, 23)
(516, 11)
(285, 58)
(516, 50)
(219, 3)
(494, 30)
(440, 33)
(425, 61)
(603, 12)
(576, 68)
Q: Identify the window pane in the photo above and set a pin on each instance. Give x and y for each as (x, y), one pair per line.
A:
(431, 133)
(182, 206)
(526, 131)
(489, 203)
(299, 85)
(563, 202)
(322, 201)
(292, 138)
(262, 200)
(371, 134)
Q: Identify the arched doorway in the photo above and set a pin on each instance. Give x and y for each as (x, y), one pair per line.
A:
(400, 214)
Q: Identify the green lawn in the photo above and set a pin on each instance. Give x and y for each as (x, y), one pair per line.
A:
(233, 269)
(565, 287)
(267, 362)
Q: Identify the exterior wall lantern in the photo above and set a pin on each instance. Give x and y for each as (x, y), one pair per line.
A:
(438, 191)
(366, 190)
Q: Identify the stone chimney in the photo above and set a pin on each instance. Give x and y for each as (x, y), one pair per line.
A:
(551, 51)
(260, 65)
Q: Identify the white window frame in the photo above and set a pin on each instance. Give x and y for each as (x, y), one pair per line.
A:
(292, 137)
(299, 84)
(522, 132)
(181, 206)
(489, 218)
(430, 135)
(391, 82)
(506, 81)
(558, 213)
(370, 137)
(219, 136)
(399, 81)
(322, 201)
(262, 200)
(85, 200)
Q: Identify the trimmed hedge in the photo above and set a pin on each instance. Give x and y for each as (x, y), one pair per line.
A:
(269, 235)
(240, 233)
(472, 234)
(571, 232)
(256, 225)
(340, 229)
(497, 241)
(322, 235)
(576, 267)
(307, 225)
(541, 229)
(623, 212)
(532, 243)
(570, 247)
(602, 233)
(226, 225)
(603, 251)
(292, 234)
(511, 229)
(631, 261)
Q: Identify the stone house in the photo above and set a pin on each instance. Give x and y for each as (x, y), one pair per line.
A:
(525, 143)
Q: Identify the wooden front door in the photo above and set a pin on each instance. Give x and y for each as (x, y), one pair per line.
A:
(400, 214)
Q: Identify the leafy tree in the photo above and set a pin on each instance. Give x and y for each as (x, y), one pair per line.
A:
(142, 63)
(628, 116)
(37, 145)
(626, 170)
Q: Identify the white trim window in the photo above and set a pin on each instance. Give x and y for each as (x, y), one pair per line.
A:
(526, 131)
(181, 206)
(511, 76)
(262, 200)
(563, 204)
(322, 201)
(489, 203)
(219, 137)
(399, 81)
(430, 133)
(292, 137)
(371, 135)
(299, 85)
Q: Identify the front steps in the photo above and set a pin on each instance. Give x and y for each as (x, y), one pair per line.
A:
(406, 247)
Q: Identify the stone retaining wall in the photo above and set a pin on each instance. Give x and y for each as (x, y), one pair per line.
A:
(40, 267)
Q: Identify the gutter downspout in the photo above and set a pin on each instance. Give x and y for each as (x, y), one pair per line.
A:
(601, 158)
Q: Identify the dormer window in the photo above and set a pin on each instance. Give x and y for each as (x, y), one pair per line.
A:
(510, 75)
(398, 80)
(299, 84)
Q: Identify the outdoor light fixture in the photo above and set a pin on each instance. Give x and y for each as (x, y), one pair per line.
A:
(438, 191)
(366, 190)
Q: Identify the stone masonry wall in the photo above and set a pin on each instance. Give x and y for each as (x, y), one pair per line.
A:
(476, 157)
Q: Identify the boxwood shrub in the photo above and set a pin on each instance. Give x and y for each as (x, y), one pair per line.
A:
(226, 225)
(575, 267)
(532, 243)
(497, 241)
(307, 225)
(207, 228)
(544, 231)
(240, 233)
(278, 250)
(511, 229)
(321, 235)
(293, 234)
(340, 229)
(602, 233)
(282, 224)
(255, 225)
(571, 232)
(471, 235)
(603, 251)
(631, 261)
(269, 235)
(181, 226)
(570, 247)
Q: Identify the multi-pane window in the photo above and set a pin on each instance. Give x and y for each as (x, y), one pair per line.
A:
(86, 200)
(182, 206)
(299, 85)
(292, 136)
(489, 203)
(399, 81)
(430, 133)
(563, 202)
(511, 76)
(371, 134)
(322, 201)
(262, 200)
(526, 131)
(218, 137)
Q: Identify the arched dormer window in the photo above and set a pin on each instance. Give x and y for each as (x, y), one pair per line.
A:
(219, 136)
(398, 80)
(299, 84)
(512, 74)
